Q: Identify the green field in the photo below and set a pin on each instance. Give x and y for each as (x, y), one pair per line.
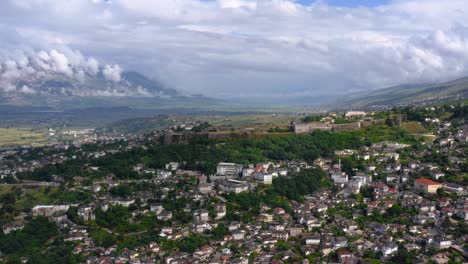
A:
(21, 136)
(413, 127)
(28, 198)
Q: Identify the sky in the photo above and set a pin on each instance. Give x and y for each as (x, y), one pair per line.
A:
(240, 48)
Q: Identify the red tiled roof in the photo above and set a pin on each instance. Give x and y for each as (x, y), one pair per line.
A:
(427, 182)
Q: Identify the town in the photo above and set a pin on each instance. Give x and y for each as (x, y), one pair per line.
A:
(354, 187)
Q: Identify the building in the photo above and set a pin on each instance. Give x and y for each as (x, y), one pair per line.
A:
(156, 207)
(389, 249)
(201, 215)
(172, 166)
(441, 242)
(10, 227)
(313, 239)
(339, 178)
(86, 213)
(265, 178)
(220, 211)
(48, 210)
(295, 230)
(233, 186)
(282, 235)
(225, 168)
(205, 188)
(426, 185)
(454, 188)
(355, 113)
(165, 215)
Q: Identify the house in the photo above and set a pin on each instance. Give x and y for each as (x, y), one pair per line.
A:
(454, 188)
(233, 186)
(313, 239)
(389, 248)
(339, 242)
(220, 211)
(165, 215)
(153, 246)
(436, 174)
(10, 227)
(264, 178)
(344, 256)
(295, 230)
(124, 203)
(426, 185)
(441, 242)
(205, 188)
(201, 215)
(238, 235)
(156, 207)
(279, 210)
(282, 235)
(172, 166)
(86, 213)
(339, 178)
(203, 253)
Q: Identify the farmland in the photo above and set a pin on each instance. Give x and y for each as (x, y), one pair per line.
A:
(21, 136)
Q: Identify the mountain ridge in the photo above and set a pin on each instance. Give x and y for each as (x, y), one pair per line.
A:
(408, 94)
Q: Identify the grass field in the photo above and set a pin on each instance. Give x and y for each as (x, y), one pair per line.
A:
(28, 198)
(21, 136)
(413, 127)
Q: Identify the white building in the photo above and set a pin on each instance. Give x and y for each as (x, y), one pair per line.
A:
(233, 186)
(265, 178)
(339, 178)
(389, 248)
(225, 168)
(201, 215)
(355, 113)
(49, 210)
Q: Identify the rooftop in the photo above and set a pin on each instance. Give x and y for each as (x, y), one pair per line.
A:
(427, 182)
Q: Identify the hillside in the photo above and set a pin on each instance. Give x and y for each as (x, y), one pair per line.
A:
(409, 94)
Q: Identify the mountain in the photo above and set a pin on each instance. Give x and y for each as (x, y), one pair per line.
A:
(53, 89)
(68, 80)
(408, 94)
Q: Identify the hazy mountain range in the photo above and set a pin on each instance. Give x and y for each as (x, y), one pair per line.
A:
(409, 94)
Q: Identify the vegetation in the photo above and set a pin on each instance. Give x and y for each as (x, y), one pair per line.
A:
(17, 199)
(304, 183)
(37, 235)
(21, 136)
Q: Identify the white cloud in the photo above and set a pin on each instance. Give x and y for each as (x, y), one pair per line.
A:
(92, 66)
(60, 62)
(112, 73)
(25, 89)
(228, 47)
(237, 4)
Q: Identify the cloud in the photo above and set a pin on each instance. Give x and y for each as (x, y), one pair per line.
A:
(231, 47)
(112, 73)
(92, 66)
(25, 89)
(60, 63)
(34, 67)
